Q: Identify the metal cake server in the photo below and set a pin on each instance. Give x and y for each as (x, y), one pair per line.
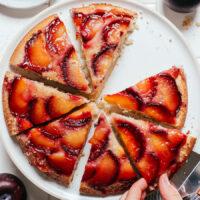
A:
(187, 180)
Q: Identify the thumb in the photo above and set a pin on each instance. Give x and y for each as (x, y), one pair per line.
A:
(167, 190)
(137, 190)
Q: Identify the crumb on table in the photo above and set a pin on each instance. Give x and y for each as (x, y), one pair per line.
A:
(197, 24)
(187, 22)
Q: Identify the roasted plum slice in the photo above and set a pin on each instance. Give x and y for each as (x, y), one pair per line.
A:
(38, 113)
(103, 59)
(77, 121)
(91, 26)
(100, 138)
(146, 89)
(19, 96)
(58, 106)
(167, 93)
(36, 55)
(126, 171)
(62, 162)
(132, 138)
(123, 100)
(148, 166)
(38, 139)
(106, 170)
(116, 29)
(158, 112)
(56, 37)
(74, 141)
(71, 72)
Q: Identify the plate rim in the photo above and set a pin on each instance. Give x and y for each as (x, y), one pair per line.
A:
(37, 18)
(15, 6)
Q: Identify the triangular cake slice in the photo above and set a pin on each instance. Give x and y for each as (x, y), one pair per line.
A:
(55, 149)
(153, 149)
(108, 170)
(102, 30)
(47, 51)
(27, 103)
(162, 98)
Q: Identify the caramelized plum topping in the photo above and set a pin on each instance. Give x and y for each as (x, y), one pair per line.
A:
(160, 146)
(146, 89)
(92, 24)
(123, 100)
(23, 124)
(65, 62)
(36, 56)
(77, 121)
(58, 106)
(106, 170)
(126, 171)
(78, 18)
(19, 97)
(90, 170)
(113, 32)
(56, 37)
(167, 93)
(102, 59)
(52, 131)
(148, 166)
(38, 113)
(73, 141)
(158, 112)
(99, 140)
(62, 162)
(131, 137)
(41, 141)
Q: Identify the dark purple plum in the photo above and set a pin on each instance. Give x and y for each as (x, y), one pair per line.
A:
(183, 5)
(11, 188)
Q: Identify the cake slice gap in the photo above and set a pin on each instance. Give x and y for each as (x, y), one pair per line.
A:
(152, 149)
(28, 103)
(102, 30)
(55, 149)
(47, 53)
(161, 98)
(108, 170)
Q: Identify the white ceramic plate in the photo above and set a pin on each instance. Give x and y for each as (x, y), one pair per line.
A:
(22, 4)
(157, 46)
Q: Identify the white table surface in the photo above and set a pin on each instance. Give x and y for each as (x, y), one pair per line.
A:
(11, 21)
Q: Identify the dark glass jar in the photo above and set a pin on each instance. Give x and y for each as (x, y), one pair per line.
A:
(183, 5)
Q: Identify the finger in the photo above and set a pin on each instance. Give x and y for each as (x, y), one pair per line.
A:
(124, 196)
(144, 194)
(137, 190)
(167, 190)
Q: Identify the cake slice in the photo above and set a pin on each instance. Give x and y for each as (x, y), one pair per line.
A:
(27, 103)
(108, 170)
(47, 51)
(153, 149)
(55, 149)
(102, 30)
(162, 98)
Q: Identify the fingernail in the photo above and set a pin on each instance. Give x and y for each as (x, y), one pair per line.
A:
(143, 181)
(165, 179)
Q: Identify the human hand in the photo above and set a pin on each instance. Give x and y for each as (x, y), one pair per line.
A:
(137, 191)
(167, 190)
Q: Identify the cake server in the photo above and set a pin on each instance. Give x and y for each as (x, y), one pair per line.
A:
(187, 180)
